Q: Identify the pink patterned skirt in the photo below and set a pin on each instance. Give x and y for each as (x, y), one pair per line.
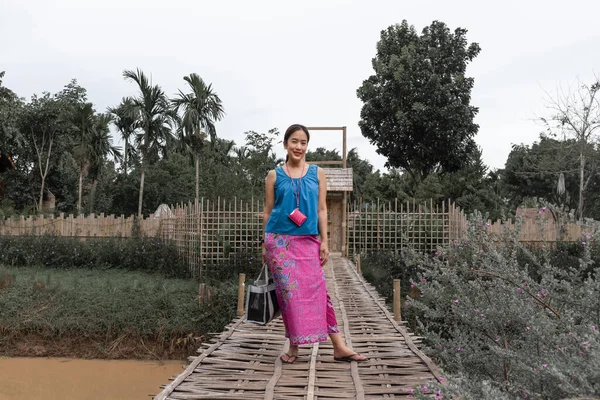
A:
(306, 309)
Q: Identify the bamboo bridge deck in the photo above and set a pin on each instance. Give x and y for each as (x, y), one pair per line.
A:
(243, 362)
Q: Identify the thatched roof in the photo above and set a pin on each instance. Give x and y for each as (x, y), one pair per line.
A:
(339, 179)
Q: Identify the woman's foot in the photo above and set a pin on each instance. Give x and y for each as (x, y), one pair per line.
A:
(345, 353)
(290, 356)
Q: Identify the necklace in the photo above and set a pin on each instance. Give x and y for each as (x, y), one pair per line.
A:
(296, 187)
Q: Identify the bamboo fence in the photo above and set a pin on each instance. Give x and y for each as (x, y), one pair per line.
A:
(89, 226)
(211, 232)
(393, 226)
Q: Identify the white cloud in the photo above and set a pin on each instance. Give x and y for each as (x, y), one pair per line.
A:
(275, 63)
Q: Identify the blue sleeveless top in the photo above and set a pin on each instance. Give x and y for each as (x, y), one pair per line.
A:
(285, 203)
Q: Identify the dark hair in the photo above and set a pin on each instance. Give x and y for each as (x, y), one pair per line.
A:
(293, 128)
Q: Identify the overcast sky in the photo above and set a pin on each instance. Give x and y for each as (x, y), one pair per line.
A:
(274, 63)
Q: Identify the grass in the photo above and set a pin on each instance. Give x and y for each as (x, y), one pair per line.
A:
(107, 312)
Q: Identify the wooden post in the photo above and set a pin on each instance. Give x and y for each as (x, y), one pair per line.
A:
(397, 300)
(358, 264)
(241, 286)
(201, 293)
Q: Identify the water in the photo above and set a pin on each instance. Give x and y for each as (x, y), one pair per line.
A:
(66, 379)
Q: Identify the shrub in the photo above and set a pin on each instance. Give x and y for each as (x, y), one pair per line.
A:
(526, 323)
(135, 254)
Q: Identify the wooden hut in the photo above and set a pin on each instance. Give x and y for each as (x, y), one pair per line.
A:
(339, 183)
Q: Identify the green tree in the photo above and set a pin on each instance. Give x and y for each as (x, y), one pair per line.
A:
(417, 107)
(155, 119)
(257, 158)
(576, 115)
(549, 169)
(102, 147)
(201, 108)
(10, 107)
(125, 121)
(84, 124)
(42, 122)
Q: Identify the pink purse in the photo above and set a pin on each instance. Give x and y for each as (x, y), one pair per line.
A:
(296, 216)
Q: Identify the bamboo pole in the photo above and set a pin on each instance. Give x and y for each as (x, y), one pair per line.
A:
(397, 315)
(241, 287)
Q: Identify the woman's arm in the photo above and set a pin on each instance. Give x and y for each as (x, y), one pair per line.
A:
(324, 252)
(269, 203)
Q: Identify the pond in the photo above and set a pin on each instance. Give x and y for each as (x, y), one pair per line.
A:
(62, 378)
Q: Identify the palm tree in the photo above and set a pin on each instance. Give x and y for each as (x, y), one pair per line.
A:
(155, 119)
(102, 146)
(83, 122)
(125, 121)
(201, 107)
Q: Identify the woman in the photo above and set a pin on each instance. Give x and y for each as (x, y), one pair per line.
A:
(294, 253)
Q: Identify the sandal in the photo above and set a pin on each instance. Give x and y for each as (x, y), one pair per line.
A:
(290, 356)
(350, 358)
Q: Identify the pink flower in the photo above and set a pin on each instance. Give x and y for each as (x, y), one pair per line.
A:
(520, 290)
(460, 349)
(586, 345)
(442, 379)
(524, 283)
(527, 329)
(423, 280)
(594, 328)
(425, 389)
(543, 293)
(544, 365)
(438, 395)
(456, 301)
(482, 316)
(412, 285)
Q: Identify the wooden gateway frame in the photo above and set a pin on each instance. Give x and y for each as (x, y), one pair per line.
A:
(339, 183)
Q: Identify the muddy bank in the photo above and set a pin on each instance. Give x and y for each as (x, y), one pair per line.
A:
(63, 378)
(125, 346)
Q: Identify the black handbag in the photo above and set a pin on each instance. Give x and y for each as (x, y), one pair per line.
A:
(261, 299)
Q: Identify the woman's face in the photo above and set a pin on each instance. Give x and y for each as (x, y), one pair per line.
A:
(296, 145)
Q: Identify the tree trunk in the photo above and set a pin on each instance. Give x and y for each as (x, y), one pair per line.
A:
(141, 191)
(581, 183)
(42, 193)
(125, 157)
(93, 195)
(197, 178)
(80, 191)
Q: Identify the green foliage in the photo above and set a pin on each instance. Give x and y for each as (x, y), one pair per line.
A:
(134, 254)
(417, 105)
(525, 323)
(102, 305)
(533, 171)
(382, 267)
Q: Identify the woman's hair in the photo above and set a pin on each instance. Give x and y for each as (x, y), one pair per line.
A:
(292, 129)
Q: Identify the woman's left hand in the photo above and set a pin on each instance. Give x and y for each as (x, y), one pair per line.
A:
(324, 253)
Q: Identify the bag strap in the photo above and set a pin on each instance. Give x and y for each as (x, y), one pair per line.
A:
(265, 271)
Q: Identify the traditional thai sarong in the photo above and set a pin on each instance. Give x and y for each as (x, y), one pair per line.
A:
(306, 308)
